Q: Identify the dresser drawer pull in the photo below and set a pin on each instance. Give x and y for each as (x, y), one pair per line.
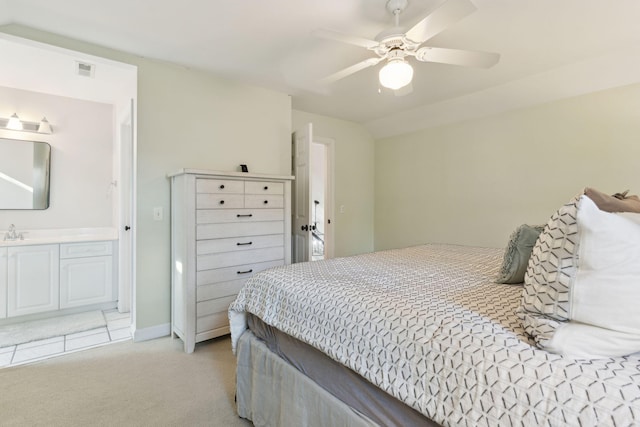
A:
(245, 272)
(266, 187)
(222, 186)
(222, 202)
(244, 244)
(266, 202)
(244, 215)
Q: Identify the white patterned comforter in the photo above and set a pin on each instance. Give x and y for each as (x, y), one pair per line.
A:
(428, 325)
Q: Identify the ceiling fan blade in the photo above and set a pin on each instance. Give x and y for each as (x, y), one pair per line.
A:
(465, 58)
(404, 90)
(345, 38)
(350, 70)
(440, 19)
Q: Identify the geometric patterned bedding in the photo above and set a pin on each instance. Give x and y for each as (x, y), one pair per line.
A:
(429, 325)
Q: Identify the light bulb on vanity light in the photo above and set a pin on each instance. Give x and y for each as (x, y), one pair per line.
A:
(14, 122)
(44, 126)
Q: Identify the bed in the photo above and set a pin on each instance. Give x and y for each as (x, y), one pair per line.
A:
(415, 336)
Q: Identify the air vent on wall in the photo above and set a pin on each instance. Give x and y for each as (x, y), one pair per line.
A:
(85, 69)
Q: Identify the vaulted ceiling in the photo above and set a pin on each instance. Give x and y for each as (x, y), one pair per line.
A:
(549, 49)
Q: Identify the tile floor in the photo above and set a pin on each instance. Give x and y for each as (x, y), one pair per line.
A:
(117, 329)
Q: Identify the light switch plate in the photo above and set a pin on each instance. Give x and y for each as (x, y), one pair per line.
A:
(158, 213)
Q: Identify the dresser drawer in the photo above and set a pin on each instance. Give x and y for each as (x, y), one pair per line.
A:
(213, 314)
(212, 321)
(238, 244)
(208, 262)
(219, 186)
(263, 201)
(215, 305)
(219, 275)
(221, 231)
(254, 187)
(210, 216)
(85, 249)
(219, 201)
(218, 290)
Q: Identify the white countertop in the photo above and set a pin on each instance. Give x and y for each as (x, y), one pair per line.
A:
(65, 235)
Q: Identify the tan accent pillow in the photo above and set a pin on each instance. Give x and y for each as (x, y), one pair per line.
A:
(620, 203)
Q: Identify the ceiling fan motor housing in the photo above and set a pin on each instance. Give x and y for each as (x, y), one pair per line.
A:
(395, 38)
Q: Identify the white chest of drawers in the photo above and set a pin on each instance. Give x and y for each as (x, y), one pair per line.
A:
(225, 227)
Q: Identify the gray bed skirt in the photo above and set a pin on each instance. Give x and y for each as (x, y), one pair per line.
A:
(270, 392)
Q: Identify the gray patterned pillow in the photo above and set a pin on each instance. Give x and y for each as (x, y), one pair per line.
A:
(517, 253)
(547, 282)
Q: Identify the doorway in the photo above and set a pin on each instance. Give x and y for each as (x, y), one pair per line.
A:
(115, 84)
(313, 196)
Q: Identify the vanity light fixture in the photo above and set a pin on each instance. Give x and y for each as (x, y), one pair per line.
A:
(44, 126)
(14, 123)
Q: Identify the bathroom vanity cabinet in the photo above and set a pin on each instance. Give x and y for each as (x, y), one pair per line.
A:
(49, 278)
(33, 282)
(86, 273)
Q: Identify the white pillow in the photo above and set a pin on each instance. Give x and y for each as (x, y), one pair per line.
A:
(606, 291)
(591, 342)
(582, 289)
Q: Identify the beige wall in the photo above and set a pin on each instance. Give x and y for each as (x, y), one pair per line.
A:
(187, 119)
(354, 178)
(474, 182)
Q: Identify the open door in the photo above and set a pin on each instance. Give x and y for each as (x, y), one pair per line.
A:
(302, 203)
(125, 234)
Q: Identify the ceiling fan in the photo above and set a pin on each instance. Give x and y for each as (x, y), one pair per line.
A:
(395, 45)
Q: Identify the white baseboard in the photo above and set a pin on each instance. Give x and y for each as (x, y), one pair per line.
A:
(152, 332)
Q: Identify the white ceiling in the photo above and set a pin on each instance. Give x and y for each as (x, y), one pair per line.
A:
(549, 49)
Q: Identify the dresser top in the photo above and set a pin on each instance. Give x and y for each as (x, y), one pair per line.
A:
(209, 173)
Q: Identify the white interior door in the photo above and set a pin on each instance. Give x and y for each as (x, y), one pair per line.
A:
(125, 243)
(302, 203)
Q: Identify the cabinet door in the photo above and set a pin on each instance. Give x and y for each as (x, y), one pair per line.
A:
(85, 281)
(3, 283)
(33, 282)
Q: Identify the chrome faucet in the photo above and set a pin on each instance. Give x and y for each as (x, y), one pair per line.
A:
(12, 235)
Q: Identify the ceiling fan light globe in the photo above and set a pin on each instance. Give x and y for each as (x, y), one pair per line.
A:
(395, 74)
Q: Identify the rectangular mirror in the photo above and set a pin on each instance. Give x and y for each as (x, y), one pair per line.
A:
(24, 174)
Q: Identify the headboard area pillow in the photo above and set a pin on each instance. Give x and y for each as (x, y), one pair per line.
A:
(517, 253)
(582, 286)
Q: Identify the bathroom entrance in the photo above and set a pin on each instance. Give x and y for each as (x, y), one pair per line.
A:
(73, 263)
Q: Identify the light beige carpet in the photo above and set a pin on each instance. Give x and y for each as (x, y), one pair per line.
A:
(34, 330)
(152, 383)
